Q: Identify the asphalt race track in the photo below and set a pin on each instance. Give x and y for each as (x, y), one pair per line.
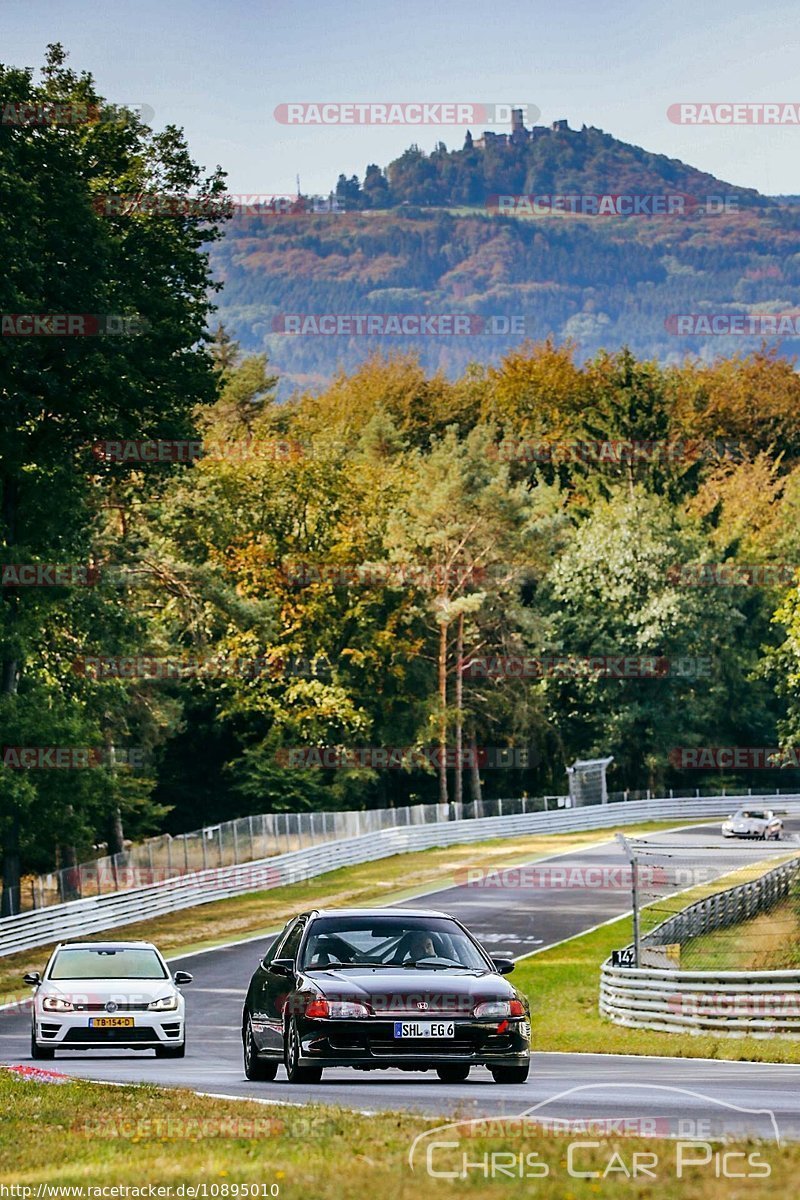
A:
(511, 922)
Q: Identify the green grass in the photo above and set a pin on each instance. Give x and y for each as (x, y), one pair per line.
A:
(89, 1136)
(768, 942)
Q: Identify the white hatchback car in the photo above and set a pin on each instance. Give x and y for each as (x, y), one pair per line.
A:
(101, 995)
(753, 823)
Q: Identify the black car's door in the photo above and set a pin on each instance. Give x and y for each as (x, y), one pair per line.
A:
(274, 988)
(257, 993)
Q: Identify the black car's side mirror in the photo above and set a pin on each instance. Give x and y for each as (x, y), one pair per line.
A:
(182, 977)
(33, 978)
(503, 966)
(283, 967)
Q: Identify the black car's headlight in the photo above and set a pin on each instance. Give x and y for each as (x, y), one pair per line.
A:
(492, 1009)
(57, 1004)
(338, 1009)
(165, 1004)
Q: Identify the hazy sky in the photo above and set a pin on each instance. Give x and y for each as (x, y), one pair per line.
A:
(220, 68)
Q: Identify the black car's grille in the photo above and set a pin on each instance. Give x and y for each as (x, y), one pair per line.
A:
(104, 1036)
(416, 1047)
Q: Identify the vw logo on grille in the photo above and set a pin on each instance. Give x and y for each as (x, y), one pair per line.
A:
(422, 1004)
(111, 1006)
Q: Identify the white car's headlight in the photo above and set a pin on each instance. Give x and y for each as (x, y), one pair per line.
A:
(57, 1004)
(165, 1004)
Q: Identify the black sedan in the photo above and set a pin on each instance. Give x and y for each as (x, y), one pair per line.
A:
(378, 988)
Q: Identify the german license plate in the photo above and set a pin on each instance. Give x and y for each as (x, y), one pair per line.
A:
(111, 1022)
(424, 1029)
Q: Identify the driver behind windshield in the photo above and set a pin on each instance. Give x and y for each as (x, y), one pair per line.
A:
(414, 946)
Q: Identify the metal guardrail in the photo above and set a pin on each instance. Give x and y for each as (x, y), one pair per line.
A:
(250, 839)
(96, 914)
(726, 1003)
(245, 840)
(729, 907)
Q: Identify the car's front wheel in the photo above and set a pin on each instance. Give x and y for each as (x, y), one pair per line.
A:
(40, 1052)
(511, 1074)
(296, 1073)
(453, 1072)
(256, 1068)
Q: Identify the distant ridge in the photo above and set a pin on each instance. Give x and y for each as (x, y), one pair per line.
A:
(550, 159)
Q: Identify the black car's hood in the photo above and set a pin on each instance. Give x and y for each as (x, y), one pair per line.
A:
(410, 990)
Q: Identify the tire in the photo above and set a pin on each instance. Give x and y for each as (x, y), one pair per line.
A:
(255, 1068)
(291, 1056)
(41, 1052)
(510, 1074)
(453, 1073)
(171, 1051)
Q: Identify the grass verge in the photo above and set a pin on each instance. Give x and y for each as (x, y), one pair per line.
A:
(768, 942)
(87, 1136)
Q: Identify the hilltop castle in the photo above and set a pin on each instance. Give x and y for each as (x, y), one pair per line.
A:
(519, 134)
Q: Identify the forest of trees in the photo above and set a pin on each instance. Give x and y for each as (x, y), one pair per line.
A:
(351, 568)
(595, 281)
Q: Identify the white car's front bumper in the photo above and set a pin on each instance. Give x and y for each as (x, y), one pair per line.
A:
(69, 1031)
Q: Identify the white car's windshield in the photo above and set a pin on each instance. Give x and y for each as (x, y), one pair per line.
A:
(107, 963)
(749, 814)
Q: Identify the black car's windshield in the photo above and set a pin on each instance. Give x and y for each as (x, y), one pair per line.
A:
(107, 963)
(426, 942)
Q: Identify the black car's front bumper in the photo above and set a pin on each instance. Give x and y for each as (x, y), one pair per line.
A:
(370, 1043)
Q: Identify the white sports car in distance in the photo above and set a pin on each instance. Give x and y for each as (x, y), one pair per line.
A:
(758, 823)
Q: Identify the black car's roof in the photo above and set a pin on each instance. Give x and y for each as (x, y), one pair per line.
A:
(378, 912)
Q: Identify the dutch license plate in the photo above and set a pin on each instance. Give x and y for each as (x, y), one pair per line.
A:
(424, 1029)
(111, 1022)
